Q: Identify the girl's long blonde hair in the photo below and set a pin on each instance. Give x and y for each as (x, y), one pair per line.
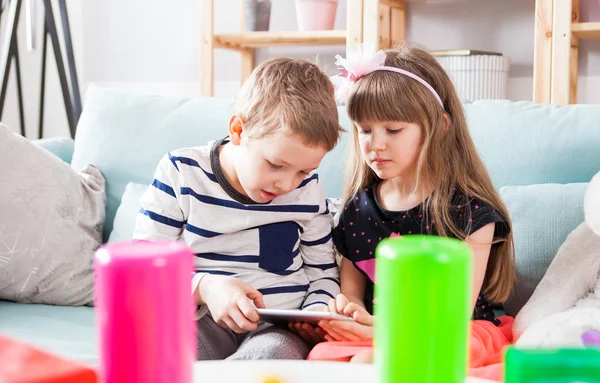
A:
(448, 158)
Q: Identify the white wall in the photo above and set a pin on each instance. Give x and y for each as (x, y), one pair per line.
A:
(153, 46)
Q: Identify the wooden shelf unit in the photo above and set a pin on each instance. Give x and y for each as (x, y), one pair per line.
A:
(266, 39)
(557, 34)
(382, 22)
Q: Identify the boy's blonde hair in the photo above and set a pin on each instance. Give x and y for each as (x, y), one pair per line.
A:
(292, 95)
(448, 157)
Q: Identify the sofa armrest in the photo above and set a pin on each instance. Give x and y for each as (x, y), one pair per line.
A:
(62, 147)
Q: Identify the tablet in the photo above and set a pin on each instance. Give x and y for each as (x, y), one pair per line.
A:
(290, 316)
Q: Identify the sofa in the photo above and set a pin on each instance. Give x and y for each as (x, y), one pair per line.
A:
(540, 158)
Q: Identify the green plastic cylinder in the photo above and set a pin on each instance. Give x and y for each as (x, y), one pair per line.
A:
(422, 309)
(556, 366)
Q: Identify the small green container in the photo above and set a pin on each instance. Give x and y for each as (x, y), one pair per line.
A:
(422, 309)
(552, 366)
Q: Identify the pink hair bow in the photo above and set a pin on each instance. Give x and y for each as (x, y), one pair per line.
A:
(356, 65)
(361, 63)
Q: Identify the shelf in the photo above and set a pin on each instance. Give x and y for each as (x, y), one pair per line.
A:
(589, 30)
(382, 22)
(271, 38)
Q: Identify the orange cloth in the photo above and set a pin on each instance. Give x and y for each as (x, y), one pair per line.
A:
(486, 348)
(23, 363)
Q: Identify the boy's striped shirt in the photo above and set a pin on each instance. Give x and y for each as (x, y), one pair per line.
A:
(284, 248)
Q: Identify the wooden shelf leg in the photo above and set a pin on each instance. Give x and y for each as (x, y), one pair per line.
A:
(398, 24)
(246, 54)
(247, 61)
(561, 52)
(354, 25)
(574, 68)
(371, 22)
(385, 26)
(207, 49)
(542, 60)
(384, 23)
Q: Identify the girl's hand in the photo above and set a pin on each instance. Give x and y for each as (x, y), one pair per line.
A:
(338, 304)
(359, 330)
(360, 314)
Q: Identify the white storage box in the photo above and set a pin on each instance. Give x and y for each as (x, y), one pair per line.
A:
(478, 77)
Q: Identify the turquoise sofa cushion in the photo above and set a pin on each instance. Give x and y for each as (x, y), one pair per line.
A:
(65, 331)
(125, 135)
(523, 143)
(542, 217)
(62, 147)
(124, 222)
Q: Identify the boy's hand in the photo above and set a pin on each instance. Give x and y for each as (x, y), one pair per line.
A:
(228, 300)
(310, 334)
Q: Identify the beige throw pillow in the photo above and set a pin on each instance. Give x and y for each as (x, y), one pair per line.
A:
(51, 220)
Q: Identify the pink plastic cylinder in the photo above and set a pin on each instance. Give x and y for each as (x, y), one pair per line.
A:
(145, 312)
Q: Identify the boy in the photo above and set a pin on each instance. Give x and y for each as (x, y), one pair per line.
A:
(253, 210)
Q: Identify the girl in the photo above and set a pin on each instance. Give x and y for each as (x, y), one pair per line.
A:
(413, 169)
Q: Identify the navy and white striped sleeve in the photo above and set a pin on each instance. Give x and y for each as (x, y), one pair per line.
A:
(161, 217)
(316, 247)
